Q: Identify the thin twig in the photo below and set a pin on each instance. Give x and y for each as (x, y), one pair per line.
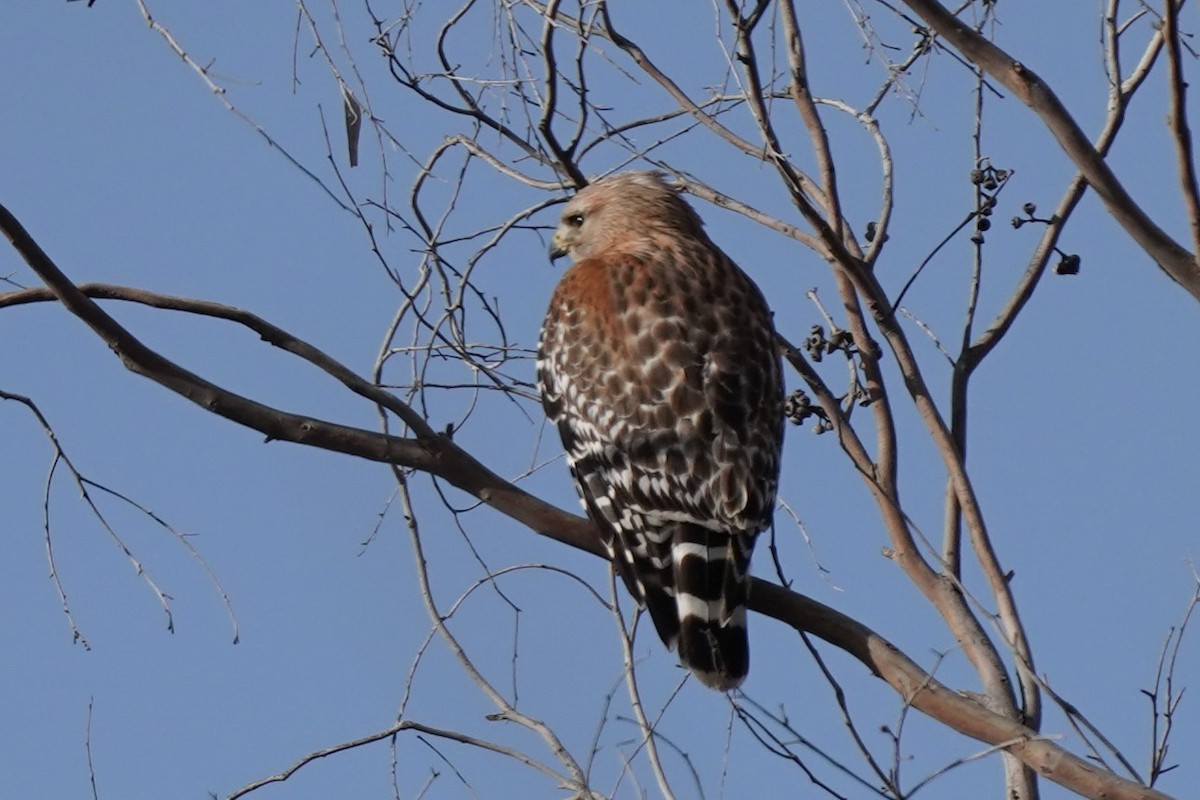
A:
(87, 748)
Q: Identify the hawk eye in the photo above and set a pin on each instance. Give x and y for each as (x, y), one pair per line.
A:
(574, 220)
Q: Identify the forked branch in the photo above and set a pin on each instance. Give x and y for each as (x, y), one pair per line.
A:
(1173, 258)
(439, 456)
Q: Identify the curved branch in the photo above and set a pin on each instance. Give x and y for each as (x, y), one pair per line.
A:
(1122, 94)
(1177, 119)
(388, 733)
(807, 108)
(564, 156)
(1172, 257)
(954, 709)
(644, 62)
(440, 457)
(269, 333)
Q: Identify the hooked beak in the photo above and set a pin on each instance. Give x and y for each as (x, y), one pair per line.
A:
(557, 248)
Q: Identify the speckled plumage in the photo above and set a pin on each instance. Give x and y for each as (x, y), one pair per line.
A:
(658, 365)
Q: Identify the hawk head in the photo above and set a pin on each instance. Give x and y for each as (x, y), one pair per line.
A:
(621, 211)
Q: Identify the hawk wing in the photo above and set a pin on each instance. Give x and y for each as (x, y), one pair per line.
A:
(662, 377)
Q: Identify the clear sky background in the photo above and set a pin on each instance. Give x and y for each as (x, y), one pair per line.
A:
(128, 170)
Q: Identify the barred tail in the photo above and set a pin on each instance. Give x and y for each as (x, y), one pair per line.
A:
(711, 584)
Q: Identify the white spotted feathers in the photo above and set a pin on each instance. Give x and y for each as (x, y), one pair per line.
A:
(658, 365)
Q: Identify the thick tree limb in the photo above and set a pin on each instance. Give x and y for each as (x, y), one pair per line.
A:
(1173, 258)
(439, 456)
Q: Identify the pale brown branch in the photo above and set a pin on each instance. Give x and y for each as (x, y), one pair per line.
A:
(942, 593)
(507, 710)
(887, 180)
(929, 696)
(798, 184)
(1110, 39)
(644, 62)
(645, 726)
(840, 248)
(1177, 120)
(802, 96)
(695, 187)
(1083, 727)
(1172, 257)
(1120, 96)
(441, 457)
(945, 595)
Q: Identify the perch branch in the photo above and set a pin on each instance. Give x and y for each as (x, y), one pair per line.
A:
(439, 456)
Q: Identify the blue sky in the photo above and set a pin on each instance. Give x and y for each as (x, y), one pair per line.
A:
(127, 170)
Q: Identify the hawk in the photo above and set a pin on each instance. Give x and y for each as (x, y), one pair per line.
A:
(657, 363)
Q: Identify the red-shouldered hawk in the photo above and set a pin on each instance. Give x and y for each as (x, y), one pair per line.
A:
(658, 364)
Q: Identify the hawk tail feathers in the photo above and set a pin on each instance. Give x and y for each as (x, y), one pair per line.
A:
(711, 582)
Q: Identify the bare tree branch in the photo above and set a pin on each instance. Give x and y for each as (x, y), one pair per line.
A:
(440, 457)
(1172, 257)
(1177, 90)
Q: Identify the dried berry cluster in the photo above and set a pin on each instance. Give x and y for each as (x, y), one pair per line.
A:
(990, 181)
(798, 407)
(1068, 263)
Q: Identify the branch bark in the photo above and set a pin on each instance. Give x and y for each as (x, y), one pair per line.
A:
(439, 456)
(1182, 135)
(1174, 259)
